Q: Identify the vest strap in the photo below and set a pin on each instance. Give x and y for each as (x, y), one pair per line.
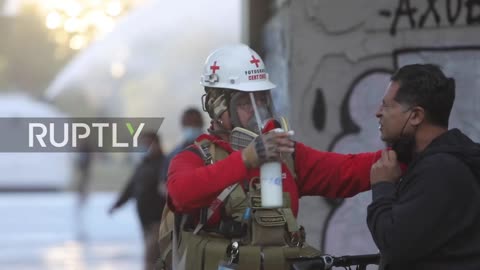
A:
(206, 148)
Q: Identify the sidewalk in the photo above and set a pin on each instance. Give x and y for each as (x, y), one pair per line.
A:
(43, 231)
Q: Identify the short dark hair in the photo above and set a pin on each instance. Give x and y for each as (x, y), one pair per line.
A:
(192, 115)
(425, 85)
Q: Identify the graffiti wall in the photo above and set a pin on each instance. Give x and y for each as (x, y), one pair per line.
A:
(340, 56)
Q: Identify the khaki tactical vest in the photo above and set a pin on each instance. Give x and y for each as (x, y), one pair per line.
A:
(248, 235)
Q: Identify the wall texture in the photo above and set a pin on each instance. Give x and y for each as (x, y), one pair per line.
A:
(333, 60)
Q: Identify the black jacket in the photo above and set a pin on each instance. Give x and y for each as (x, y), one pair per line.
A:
(144, 187)
(431, 218)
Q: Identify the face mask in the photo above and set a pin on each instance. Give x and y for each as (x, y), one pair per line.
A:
(263, 114)
(241, 138)
(404, 146)
(259, 103)
(191, 133)
(252, 125)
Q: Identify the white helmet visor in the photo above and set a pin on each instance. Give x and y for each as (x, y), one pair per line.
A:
(251, 110)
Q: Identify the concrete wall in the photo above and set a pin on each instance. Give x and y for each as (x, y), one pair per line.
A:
(333, 60)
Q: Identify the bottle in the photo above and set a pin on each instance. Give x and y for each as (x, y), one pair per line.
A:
(271, 186)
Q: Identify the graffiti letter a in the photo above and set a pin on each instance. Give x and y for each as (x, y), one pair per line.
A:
(403, 9)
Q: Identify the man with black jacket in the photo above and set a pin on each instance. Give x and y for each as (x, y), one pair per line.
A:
(429, 217)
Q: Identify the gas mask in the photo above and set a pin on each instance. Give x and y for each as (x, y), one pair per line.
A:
(404, 147)
(249, 112)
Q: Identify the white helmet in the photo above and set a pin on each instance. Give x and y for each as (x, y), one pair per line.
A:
(235, 67)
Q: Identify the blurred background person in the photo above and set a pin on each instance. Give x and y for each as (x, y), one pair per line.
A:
(142, 186)
(99, 59)
(192, 127)
(83, 163)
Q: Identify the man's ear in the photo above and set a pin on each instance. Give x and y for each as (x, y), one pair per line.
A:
(226, 120)
(418, 116)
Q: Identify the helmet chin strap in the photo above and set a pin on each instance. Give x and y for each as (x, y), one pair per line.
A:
(219, 130)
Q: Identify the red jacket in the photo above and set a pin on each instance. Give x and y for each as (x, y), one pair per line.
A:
(193, 185)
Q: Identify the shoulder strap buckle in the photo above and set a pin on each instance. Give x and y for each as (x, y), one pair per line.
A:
(204, 147)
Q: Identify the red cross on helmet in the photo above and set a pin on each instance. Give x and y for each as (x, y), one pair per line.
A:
(235, 67)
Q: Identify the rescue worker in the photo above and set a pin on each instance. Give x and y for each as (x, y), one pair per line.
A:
(213, 184)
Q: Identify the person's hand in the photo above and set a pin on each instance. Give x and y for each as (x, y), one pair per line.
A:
(386, 169)
(267, 147)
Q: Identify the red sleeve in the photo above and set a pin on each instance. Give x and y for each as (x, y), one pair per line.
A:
(331, 174)
(192, 185)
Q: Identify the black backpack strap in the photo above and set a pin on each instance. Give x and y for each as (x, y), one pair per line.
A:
(204, 153)
(194, 149)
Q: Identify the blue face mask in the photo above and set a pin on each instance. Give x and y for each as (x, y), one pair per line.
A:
(191, 133)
